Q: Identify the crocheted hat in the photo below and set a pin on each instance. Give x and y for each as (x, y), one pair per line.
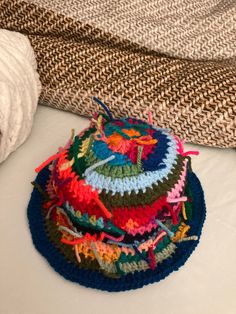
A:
(118, 207)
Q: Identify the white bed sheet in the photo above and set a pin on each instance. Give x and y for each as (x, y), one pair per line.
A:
(28, 285)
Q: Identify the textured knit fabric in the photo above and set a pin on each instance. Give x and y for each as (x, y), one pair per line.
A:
(117, 201)
(78, 60)
(196, 29)
(19, 90)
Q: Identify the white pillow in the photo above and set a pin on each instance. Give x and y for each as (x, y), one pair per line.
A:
(19, 90)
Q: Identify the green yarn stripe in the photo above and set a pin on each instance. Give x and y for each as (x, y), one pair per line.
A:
(112, 171)
(151, 194)
(80, 164)
(160, 246)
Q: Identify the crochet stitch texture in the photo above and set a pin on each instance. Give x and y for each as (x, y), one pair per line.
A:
(118, 207)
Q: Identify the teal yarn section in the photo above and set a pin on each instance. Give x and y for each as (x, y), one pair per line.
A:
(101, 151)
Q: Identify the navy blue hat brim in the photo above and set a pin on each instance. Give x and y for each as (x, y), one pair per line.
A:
(95, 279)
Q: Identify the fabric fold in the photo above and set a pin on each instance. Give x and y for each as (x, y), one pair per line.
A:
(77, 61)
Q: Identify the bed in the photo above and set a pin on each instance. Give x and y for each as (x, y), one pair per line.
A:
(206, 284)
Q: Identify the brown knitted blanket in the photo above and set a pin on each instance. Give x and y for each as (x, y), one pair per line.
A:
(81, 55)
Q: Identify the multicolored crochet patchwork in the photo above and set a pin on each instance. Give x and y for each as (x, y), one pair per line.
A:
(117, 200)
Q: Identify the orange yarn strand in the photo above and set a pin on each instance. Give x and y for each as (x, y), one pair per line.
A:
(46, 162)
(103, 208)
